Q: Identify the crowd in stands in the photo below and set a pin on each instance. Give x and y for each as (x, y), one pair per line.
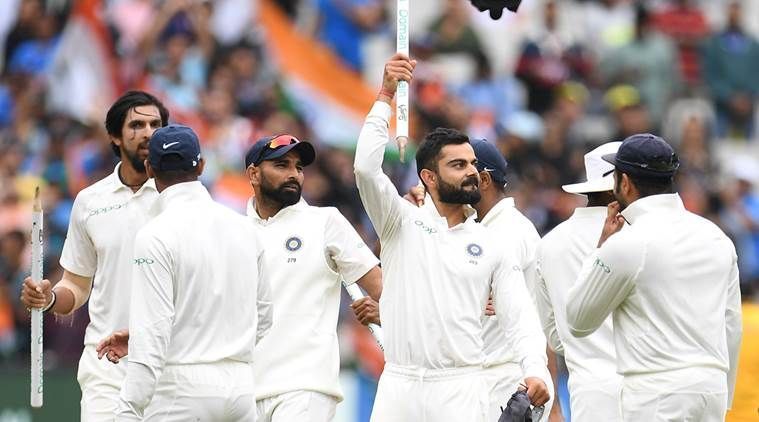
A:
(545, 84)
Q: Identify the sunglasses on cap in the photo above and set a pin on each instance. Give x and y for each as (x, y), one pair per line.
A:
(276, 142)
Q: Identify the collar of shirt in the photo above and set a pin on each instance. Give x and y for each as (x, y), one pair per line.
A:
(179, 193)
(252, 213)
(589, 212)
(116, 183)
(429, 207)
(503, 204)
(642, 206)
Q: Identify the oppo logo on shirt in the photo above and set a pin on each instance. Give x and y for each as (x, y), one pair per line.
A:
(601, 265)
(103, 210)
(424, 227)
(141, 261)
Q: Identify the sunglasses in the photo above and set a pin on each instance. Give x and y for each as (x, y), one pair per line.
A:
(274, 143)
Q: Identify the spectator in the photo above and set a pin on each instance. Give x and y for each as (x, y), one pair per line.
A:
(686, 25)
(731, 63)
(343, 25)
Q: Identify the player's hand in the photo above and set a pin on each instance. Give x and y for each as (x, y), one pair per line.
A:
(613, 224)
(490, 308)
(115, 346)
(36, 295)
(366, 310)
(537, 391)
(415, 195)
(398, 68)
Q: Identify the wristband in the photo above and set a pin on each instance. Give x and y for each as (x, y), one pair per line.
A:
(52, 302)
(386, 93)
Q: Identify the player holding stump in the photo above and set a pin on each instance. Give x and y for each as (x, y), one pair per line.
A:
(97, 254)
(309, 251)
(439, 268)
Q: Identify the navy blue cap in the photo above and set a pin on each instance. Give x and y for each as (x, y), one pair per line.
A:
(489, 159)
(645, 155)
(272, 147)
(174, 140)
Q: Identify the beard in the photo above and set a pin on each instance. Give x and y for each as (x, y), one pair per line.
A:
(452, 194)
(134, 159)
(281, 194)
(618, 193)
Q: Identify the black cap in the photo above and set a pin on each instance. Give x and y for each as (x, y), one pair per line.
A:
(490, 159)
(645, 155)
(174, 140)
(276, 146)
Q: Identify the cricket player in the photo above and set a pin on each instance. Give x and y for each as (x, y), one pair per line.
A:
(505, 353)
(97, 253)
(594, 385)
(199, 304)
(439, 268)
(310, 250)
(670, 280)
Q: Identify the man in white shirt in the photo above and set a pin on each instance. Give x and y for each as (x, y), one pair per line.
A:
(594, 385)
(439, 268)
(310, 251)
(199, 305)
(96, 256)
(670, 280)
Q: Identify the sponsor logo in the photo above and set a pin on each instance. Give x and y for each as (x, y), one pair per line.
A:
(293, 244)
(601, 265)
(141, 261)
(424, 227)
(104, 210)
(169, 144)
(474, 250)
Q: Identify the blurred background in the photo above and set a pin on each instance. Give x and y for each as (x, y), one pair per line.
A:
(546, 84)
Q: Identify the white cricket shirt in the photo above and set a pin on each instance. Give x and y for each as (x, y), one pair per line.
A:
(671, 281)
(308, 252)
(436, 279)
(198, 295)
(104, 221)
(591, 360)
(518, 234)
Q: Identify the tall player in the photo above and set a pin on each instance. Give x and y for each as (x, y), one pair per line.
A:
(97, 254)
(440, 266)
(310, 250)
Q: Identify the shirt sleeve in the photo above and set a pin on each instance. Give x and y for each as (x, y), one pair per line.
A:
(347, 253)
(734, 328)
(79, 255)
(264, 304)
(379, 196)
(605, 280)
(151, 317)
(518, 318)
(545, 311)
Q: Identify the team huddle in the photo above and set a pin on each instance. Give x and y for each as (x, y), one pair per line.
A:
(199, 313)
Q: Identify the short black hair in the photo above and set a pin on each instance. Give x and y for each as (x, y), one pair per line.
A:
(648, 186)
(172, 177)
(114, 119)
(429, 151)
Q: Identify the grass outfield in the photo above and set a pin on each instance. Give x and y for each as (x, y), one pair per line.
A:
(746, 403)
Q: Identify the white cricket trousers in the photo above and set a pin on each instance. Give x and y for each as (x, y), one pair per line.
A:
(691, 394)
(219, 392)
(300, 406)
(595, 400)
(100, 382)
(503, 381)
(412, 394)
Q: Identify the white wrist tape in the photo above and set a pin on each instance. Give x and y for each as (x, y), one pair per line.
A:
(81, 293)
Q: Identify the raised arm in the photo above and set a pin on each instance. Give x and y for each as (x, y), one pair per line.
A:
(151, 316)
(378, 194)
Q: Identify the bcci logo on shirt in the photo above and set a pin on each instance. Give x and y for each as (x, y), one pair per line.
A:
(293, 244)
(474, 250)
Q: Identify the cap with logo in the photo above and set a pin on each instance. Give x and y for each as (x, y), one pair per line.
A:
(645, 155)
(490, 159)
(174, 147)
(597, 171)
(276, 146)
